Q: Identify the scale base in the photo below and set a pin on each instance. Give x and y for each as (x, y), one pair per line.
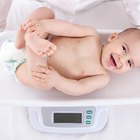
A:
(36, 117)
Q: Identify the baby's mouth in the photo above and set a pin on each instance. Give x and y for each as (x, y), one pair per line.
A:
(112, 61)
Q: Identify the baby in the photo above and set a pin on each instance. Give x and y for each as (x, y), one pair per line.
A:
(73, 60)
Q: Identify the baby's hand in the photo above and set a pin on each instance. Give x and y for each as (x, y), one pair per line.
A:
(47, 77)
(22, 28)
(37, 27)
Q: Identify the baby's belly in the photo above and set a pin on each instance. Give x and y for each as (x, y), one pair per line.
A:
(64, 66)
(71, 68)
(68, 61)
(64, 58)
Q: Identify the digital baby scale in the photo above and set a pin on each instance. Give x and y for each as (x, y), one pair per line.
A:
(68, 119)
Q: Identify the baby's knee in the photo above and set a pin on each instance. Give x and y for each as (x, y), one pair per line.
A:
(49, 12)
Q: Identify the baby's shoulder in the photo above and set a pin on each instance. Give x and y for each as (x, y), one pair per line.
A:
(103, 72)
(95, 40)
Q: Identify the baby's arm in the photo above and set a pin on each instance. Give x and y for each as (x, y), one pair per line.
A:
(61, 28)
(39, 14)
(51, 78)
(83, 86)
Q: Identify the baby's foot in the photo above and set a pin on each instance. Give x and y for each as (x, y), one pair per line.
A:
(40, 46)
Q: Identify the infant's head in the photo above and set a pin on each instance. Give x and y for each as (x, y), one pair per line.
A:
(122, 53)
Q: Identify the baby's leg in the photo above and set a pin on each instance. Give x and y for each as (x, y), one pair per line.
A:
(32, 57)
(38, 14)
(41, 47)
(24, 72)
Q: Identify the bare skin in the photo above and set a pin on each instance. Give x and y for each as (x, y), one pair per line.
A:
(74, 67)
(41, 47)
(80, 68)
(32, 58)
(39, 14)
(77, 63)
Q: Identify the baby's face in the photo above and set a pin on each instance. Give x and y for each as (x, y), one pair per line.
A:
(121, 54)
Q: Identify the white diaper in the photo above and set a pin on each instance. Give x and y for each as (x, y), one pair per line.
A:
(10, 57)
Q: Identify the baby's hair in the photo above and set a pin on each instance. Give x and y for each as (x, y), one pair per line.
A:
(134, 31)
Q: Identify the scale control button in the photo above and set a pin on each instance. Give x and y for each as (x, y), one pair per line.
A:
(89, 111)
(88, 117)
(88, 122)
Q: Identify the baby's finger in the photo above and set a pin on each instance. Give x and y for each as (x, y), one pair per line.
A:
(42, 69)
(37, 79)
(40, 75)
(50, 52)
(30, 29)
(30, 24)
(25, 26)
(40, 81)
(43, 54)
(22, 29)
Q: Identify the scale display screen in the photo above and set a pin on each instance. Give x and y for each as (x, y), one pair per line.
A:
(67, 117)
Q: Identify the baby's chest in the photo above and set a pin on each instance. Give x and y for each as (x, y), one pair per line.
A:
(82, 67)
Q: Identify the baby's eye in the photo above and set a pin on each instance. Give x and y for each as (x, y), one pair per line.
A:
(129, 63)
(124, 49)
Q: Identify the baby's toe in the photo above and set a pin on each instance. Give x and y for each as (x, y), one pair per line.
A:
(53, 47)
(50, 52)
(40, 53)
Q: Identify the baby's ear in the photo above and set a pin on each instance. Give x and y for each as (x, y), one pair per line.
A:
(112, 37)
